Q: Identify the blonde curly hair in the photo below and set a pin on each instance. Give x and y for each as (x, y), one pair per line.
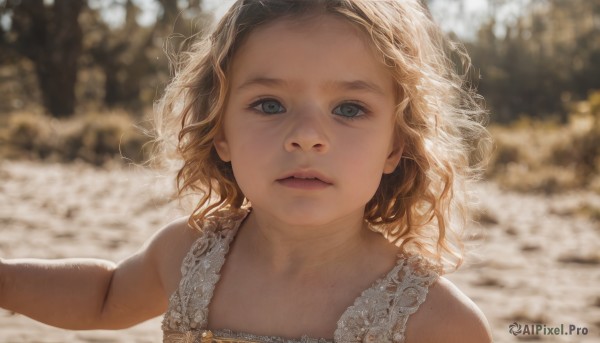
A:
(424, 203)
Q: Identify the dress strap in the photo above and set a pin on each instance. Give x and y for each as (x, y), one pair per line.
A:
(381, 312)
(188, 305)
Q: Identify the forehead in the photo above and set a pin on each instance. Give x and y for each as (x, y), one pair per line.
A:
(317, 48)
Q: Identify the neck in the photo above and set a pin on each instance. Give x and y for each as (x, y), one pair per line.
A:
(292, 249)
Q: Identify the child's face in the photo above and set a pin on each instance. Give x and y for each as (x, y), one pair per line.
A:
(309, 99)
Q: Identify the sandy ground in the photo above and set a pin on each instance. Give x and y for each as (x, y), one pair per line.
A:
(536, 259)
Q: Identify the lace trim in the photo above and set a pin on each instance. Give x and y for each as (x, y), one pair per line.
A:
(379, 314)
(228, 336)
(188, 306)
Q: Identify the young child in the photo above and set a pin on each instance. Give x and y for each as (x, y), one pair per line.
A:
(330, 141)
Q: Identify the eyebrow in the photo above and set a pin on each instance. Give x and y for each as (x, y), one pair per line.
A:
(358, 85)
(354, 85)
(262, 81)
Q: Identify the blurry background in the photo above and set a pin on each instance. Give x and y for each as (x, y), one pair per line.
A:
(76, 75)
(78, 79)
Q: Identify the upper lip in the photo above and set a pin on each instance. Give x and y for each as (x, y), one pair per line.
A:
(305, 174)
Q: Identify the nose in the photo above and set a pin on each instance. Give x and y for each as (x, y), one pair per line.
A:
(307, 133)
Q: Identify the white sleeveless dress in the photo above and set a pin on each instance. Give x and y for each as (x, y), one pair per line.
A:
(379, 314)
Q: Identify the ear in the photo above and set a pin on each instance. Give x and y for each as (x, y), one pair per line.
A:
(222, 147)
(393, 157)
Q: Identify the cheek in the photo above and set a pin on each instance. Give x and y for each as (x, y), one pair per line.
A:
(369, 150)
(250, 144)
(250, 156)
(365, 158)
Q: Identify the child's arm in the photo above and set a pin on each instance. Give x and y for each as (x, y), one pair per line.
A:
(95, 294)
(64, 293)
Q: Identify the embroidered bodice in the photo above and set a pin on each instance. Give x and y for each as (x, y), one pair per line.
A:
(379, 314)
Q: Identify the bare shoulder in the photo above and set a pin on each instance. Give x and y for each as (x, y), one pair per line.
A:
(172, 236)
(447, 315)
(168, 248)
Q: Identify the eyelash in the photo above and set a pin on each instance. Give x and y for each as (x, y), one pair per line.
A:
(358, 105)
(258, 102)
(364, 112)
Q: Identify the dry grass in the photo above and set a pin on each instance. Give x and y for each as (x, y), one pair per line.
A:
(94, 138)
(548, 157)
(529, 155)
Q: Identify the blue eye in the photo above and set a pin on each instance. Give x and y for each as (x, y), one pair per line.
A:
(349, 110)
(268, 106)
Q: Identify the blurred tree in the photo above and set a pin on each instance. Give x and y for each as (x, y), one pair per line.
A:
(131, 56)
(50, 36)
(120, 53)
(550, 55)
(70, 43)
